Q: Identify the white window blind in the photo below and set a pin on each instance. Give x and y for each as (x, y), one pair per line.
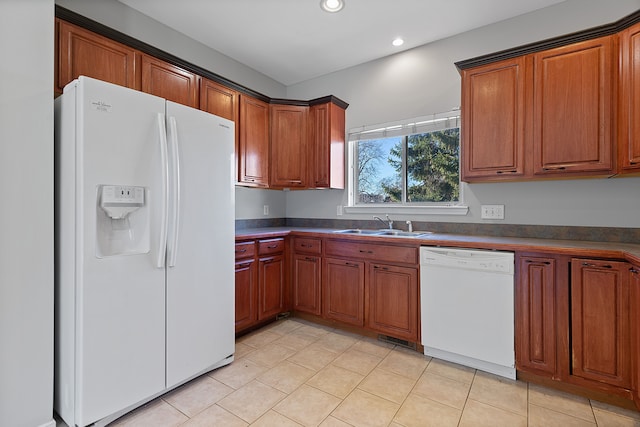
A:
(425, 124)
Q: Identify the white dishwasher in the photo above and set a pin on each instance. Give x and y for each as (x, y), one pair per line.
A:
(467, 305)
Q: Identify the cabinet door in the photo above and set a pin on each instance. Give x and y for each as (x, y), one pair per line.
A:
(253, 144)
(635, 330)
(629, 96)
(343, 291)
(271, 286)
(289, 138)
(493, 121)
(306, 283)
(83, 53)
(392, 295)
(600, 321)
(573, 108)
(535, 315)
(246, 294)
(327, 135)
(168, 81)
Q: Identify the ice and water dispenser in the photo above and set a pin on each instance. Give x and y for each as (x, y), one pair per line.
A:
(122, 220)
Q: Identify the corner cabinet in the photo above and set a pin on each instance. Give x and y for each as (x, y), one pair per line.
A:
(493, 121)
(327, 141)
(629, 101)
(253, 142)
(289, 136)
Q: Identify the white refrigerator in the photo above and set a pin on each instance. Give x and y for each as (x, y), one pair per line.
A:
(145, 217)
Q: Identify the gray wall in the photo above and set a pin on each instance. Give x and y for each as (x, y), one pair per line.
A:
(26, 217)
(424, 81)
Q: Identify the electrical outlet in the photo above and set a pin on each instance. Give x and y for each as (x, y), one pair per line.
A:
(339, 210)
(492, 212)
(265, 209)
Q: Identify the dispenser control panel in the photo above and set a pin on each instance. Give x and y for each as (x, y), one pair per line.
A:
(119, 200)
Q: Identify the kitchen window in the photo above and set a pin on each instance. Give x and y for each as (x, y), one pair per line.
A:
(412, 165)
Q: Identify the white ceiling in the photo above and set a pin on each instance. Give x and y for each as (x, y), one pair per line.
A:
(294, 40)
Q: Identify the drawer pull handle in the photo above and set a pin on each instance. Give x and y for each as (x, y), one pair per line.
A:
(304, 245)
(241, 251)
(350, 264)
(362, 251)
(381, 268)
(272, 246)
(308, 258)
(245, 265)
(634, 270)
(587, 264)
(511, 171)
(557, 168)
(538, 262)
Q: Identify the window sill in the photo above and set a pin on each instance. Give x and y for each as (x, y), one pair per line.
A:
(409, 210)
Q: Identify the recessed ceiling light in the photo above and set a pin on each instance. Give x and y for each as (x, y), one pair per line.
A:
(397, 41)
(332, 5)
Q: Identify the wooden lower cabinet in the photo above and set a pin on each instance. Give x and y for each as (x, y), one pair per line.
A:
(600, 334)
(343, 291)
(246, 285)
(246, 294)
(271, 290)
(392, 295)
(260, 281)
(535, 318)
(307, 275)
(634, 291)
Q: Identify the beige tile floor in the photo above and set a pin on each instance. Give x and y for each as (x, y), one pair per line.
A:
(295, 373)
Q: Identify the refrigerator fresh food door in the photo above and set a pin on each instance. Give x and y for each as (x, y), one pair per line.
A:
(120, 299)
(200, 257)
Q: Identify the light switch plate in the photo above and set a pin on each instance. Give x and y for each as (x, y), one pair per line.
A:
(492, 212)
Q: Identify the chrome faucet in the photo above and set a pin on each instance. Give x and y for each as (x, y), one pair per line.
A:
(409, 226)
(388, 222)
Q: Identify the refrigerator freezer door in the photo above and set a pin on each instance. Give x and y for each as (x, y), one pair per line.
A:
(119, 300)
(200, 280)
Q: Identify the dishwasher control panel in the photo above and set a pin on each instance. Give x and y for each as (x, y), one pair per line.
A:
(495, 261)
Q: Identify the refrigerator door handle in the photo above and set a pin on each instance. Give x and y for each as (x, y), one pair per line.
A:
(172, 248)
(164, 166)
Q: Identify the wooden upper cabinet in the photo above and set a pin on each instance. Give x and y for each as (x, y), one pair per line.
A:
(168, 81)
(493, 121)
(572, 124)
(289, 138)
(629, 98)
(253, 142)
(600, 337)
(327, 139)
(84, 53)
(219, 100)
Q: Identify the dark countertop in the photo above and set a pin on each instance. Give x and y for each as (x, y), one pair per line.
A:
(623, 251)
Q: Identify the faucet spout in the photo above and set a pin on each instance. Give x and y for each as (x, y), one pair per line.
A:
(388, 222)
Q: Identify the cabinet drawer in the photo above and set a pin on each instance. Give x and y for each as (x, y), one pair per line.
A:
(308, 245)
(245, 250)
(401, 254)
(271, 246)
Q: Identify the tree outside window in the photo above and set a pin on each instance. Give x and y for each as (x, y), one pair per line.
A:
(415, 169)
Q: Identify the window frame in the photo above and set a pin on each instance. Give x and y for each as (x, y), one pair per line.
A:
(400, 129)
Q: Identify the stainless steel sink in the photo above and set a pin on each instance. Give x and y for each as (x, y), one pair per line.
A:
(357, 231)
(385, 232)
